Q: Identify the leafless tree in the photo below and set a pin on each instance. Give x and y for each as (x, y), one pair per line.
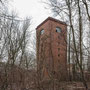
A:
(72, 12)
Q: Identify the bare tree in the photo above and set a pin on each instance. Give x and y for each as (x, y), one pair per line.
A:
(71, 12)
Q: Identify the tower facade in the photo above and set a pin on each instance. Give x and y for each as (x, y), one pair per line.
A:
(52, 49)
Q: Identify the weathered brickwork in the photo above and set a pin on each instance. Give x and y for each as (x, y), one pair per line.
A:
(52, 49)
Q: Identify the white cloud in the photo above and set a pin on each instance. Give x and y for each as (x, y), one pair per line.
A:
(33, 8)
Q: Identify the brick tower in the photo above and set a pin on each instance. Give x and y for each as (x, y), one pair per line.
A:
(52, 49)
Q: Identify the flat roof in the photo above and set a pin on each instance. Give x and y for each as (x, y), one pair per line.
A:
(53, 19)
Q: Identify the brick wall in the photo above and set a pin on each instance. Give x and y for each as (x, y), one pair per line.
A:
(52, 49)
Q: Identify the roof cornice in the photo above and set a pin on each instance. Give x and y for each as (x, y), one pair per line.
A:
(52, 19)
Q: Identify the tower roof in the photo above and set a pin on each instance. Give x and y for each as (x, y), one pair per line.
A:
(52, 19)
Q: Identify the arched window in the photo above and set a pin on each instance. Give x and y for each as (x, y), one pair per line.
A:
(42, 31)
(58, 55)
(58, 29)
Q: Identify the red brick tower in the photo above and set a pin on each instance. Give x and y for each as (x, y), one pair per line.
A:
(52, 49)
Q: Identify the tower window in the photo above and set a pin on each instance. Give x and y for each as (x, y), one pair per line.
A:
(58, 55)
(42, 31)
(58, 29)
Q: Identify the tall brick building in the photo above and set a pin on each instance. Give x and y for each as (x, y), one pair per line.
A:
(52, 49)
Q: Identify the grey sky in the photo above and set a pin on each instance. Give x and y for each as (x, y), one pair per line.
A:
(33, 8)
(30, 8)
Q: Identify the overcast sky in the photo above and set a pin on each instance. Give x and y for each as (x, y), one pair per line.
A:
(32, 8)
